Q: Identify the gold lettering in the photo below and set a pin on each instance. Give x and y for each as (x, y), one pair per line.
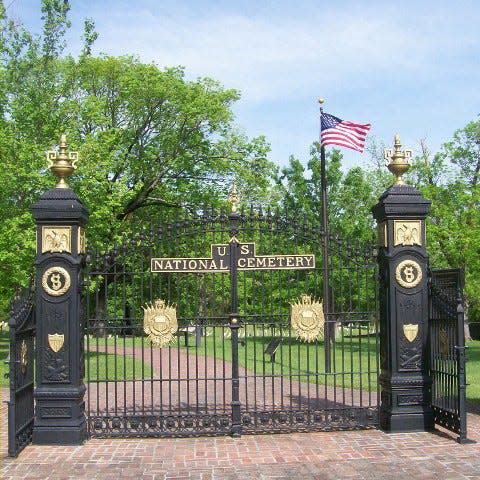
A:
(271, 262)
(168, 265)
(290, 261)
(241, 262)
(202, 264)
(221, 250)
(222, 265)
(245, 249)
(213, 265)
(280, 261)
(299, 262)
(176, 262)
(157, 264)
(251, 262)
(309, 261)
(192, 264)
(261, 262)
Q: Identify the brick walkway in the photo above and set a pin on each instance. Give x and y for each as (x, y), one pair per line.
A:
(366, 454)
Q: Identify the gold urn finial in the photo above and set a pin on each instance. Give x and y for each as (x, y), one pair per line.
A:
(398, 160)
(234, 198)
(62, 163)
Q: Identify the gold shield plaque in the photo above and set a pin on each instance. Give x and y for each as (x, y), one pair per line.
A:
(160, 322)
(410, 331)
(56, 340)
(307, 318)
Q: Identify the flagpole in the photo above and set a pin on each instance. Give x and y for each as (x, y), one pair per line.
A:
(325, 249)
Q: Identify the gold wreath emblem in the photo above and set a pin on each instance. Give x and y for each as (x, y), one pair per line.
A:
(56, 281)
(408, 273)
(160, 322)
(307, 318)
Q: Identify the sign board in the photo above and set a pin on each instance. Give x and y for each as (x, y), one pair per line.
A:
(220, 261)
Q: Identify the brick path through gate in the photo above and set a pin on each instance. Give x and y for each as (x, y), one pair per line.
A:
(368, 454)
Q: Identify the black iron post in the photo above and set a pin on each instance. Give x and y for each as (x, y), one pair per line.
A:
(234, 325)
(60, 217)
(404, 380)
(329, 328)
(461, 359)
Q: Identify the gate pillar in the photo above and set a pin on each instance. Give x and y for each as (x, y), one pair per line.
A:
(404, 381)
(60, 218)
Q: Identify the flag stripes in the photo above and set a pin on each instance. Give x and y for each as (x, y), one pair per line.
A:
(343, 133)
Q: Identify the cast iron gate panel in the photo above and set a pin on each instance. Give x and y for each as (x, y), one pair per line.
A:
(21, 371)
(308, 386)
(447, 351)
(188, 387)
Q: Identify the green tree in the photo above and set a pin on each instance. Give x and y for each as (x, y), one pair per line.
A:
(150, 141)
(449, 179)
(350, 194)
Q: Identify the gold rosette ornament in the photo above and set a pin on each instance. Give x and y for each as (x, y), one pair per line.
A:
(307, 318)
(160, 322)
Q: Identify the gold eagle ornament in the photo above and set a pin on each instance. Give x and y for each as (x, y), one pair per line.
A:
(307, 318)
(160, 322)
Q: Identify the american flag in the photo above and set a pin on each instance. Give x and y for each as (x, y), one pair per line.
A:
(343, 133)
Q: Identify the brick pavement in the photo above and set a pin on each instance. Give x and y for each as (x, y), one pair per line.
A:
(368, 454)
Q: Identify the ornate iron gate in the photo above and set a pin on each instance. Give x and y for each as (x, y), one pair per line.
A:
(236, 363)
(447, 351)
(21, 371)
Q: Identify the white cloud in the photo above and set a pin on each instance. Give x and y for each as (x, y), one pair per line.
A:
(407, 66)
(281, 57)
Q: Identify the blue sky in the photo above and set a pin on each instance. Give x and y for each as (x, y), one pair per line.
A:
(411, 67)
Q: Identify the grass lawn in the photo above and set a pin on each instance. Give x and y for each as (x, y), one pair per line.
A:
(473, 371)
(301, 359)
(126, 367)
(4, 350)
(102, 366)
(351, 360)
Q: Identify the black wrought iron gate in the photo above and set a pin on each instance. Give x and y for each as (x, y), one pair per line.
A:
(235, 364)
(21, 371)
(447, 351)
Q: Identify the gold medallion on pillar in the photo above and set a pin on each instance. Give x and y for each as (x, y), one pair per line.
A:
(307, 318)
(56, 281)
(56, 341)
(410, 331)
(408, 273)
(160, 322)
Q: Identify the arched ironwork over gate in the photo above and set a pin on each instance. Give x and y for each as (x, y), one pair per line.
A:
(236, 363)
